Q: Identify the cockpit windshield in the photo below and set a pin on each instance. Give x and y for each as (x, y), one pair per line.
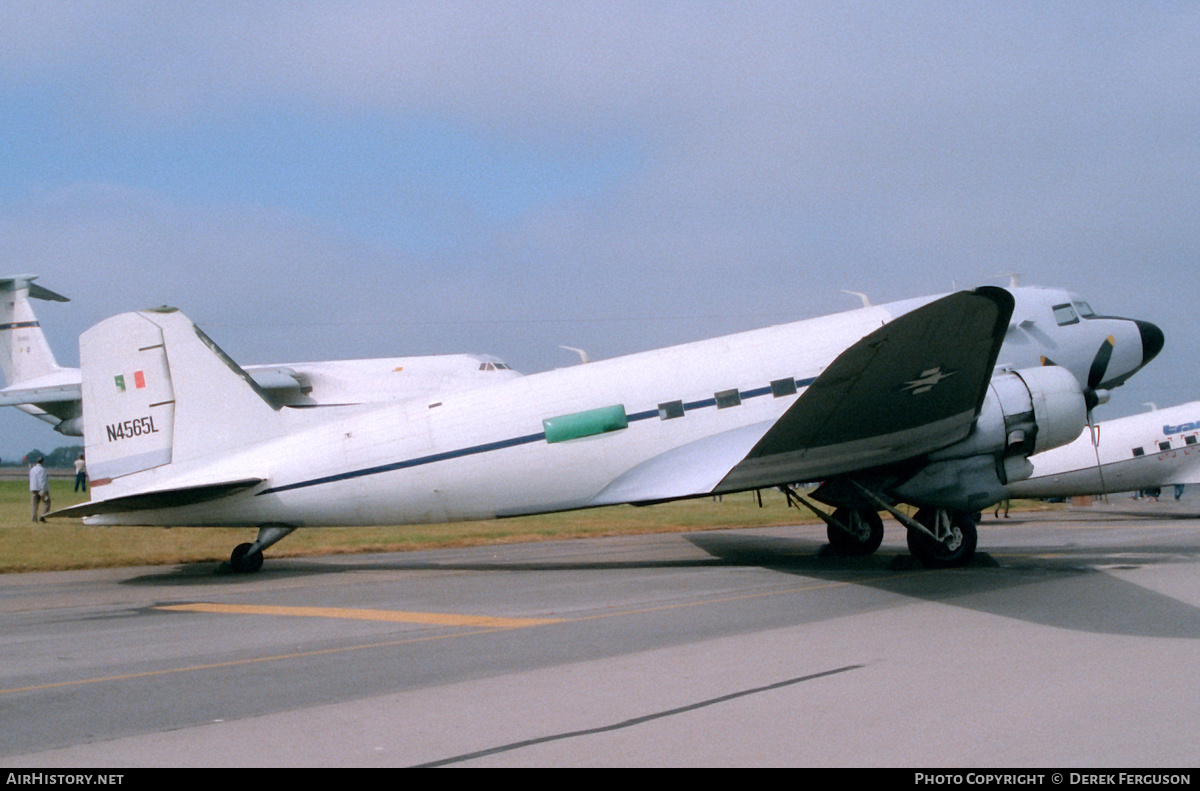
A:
(1065, 314)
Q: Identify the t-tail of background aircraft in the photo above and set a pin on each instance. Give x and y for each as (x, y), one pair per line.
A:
(883, 406)
(36, 383)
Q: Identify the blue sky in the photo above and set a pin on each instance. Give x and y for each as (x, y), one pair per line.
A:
(333, 180)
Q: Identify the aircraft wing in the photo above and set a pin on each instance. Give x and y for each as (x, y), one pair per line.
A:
(56, 394)
(271, 379)
(63, 397)
(911, 387)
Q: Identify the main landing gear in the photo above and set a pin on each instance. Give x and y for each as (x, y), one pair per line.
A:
(940, 538)
(948, 540)
(248, 558)
(937, 537)
(858, 532)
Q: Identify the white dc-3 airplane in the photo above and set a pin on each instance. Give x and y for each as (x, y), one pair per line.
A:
(1145, 451)
(936, 401)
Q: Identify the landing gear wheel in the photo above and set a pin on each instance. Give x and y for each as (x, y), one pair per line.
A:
(865, 534)
(957, 534)
(243, 561)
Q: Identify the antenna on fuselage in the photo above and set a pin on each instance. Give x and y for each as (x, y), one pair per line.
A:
(583, 356)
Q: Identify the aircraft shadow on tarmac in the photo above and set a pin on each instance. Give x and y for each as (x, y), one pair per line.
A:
(1063, 587)
(216, 574)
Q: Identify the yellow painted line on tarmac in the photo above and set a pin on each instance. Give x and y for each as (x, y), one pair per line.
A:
(483, 624)
(346, 613)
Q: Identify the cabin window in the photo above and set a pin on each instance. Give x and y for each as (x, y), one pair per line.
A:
(783, 387)
(1164, 445)
(669, 410)
(1065, 314)
(727, 398)
(1190, 439)
(1138, 452)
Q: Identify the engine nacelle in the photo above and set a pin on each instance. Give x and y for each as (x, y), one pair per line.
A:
(1024, 412)
(71, 427)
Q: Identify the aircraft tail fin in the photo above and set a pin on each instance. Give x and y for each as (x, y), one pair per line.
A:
(24, 352)
(157, 391)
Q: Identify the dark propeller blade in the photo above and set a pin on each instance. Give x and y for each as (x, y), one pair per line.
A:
(1100, 363)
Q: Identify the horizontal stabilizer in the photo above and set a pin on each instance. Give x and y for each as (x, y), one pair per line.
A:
(13, 282)
(275, 378)
(39, 292)
(161, 498)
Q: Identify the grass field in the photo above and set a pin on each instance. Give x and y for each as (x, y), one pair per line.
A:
(59, 544)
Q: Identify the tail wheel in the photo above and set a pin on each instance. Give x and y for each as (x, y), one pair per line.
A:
(956, 538)
(243, 561)
(863, 535)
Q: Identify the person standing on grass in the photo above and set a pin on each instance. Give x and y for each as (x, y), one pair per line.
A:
(39, 489)
(80, 474)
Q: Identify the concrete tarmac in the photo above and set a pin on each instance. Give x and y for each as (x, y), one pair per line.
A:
(1073, 641)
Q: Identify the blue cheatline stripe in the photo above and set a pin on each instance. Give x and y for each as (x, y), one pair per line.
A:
(20, 325)
(417, 462)
(499, 445)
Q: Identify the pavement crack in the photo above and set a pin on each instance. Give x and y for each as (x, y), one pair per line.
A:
(636, 720)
